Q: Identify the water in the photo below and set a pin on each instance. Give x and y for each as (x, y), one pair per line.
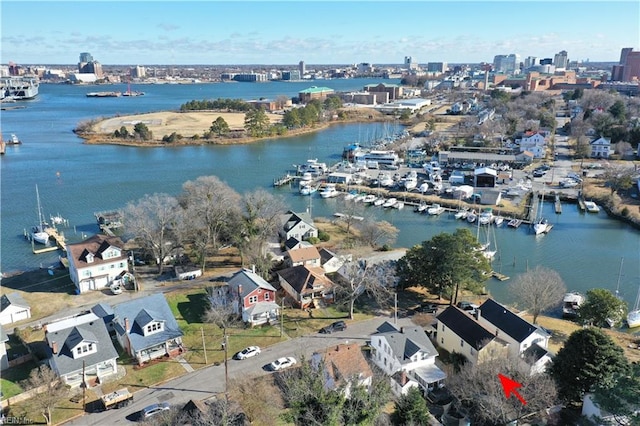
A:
(76, 180)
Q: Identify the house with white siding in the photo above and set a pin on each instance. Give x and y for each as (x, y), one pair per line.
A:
(13, 308)
(297, 225)
(535, 143)
(601, 148)
(97, 262)
(406, 355)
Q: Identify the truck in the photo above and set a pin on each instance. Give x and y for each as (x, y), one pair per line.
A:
(116, 399)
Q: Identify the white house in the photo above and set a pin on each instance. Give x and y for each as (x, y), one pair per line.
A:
(332, 262)
(308, 256)
(407, 355)
(601, 148)
(4, 360)
(13, 308)
(297, 225)
(96, 262)
(80, 350)
(534, 143)
(519, 333)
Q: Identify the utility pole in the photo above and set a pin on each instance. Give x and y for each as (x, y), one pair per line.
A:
(282, 317)
(395, 309)
(84, 388)
(204, 348)
(225, 345)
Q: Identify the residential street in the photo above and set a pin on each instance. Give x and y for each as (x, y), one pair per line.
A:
(209, 381)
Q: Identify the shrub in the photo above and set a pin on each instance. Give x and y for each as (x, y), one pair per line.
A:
(313, 240)
(625, 211)
(324, 236)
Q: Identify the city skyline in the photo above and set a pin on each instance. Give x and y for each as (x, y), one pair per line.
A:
(266, 32)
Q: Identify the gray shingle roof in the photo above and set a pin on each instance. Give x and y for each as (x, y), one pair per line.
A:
(139, 311)
(12, 299)
(249, 281)
(407, 341)
(68, 338)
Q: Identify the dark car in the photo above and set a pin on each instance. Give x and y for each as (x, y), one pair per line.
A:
(336, 326)
(467, 306)
(426, 308)
(539, 173)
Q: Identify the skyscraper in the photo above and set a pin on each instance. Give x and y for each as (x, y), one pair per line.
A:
(409, 63)
(86, 57)
(629, 68)
(302, 69)
(561, 60)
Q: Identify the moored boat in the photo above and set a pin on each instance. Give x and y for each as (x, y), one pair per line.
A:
(514, 223)
(379, 202)
(38, 233)
(461, 214)
(329, 191)
(591, 207)
(435, 210)
(369, 199)
(306, 188)
(390, 202)
(633, 317)
(14, 140)
(19, 87)
(571, 303)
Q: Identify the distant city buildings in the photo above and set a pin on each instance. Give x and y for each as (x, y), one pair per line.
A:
(507, 64)
(302, 69)
(561, 60)
(629, 67)
(88, 65)
(410, 63)
(138, 72)
(437, 67)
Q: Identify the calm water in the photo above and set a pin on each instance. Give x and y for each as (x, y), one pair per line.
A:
(76, 180)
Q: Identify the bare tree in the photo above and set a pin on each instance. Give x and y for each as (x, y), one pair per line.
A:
(478, 391)
(353, 212)
(358, 278)
(538, 290)
(151, 221)
(377, 234)
(211, 208)
(618, 177)
(597, 99)
(54, 390)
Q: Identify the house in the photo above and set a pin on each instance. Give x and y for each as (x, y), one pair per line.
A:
(4, 359)
(536, 358)
(97, 262)
(485, 177)
(187, 272)
(343, 365)
(518, 332)
(80, 350)
(146, 328)
(105, 312)
(306, 285)
(303, 256)
(13, 308)
(331, 262)
(601, 148)
(534, 143)
(253, 298)
(407, 356)
(457, 331)
(297, 225)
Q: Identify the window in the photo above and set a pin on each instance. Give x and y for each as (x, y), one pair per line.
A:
(79, 350)
(253, 299)
(266, 296)
(156, 326)
(442, 327)
(461, 343)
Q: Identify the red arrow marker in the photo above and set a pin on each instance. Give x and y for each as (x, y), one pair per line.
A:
(510, 387)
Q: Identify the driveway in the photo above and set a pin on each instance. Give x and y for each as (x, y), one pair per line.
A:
(209, 381)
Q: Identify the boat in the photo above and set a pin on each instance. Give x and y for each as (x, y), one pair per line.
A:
(369, 199)
(360, 197)
(350, 195)
(130, 92)
(379, 202)
(329, 191)
(103, 94)
(486, 217)
(58, 220)
(435, 210)
(389, 158)
(498, 220)
(411, 180)
(541, 225)
(420, 208)
(471, 216)
(19, 87)
(571, 303)
(14, 140)
(389, 202)
(633, 317)
(424, 187)
(306, 188)
(591, 207)
(398, 205)
(312, 166)
(38, 233)
(514, 223)
(462, 213)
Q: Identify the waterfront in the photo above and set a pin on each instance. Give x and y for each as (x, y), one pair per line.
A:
(76, 180)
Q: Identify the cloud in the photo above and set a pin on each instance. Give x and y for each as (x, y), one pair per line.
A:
(168, 27)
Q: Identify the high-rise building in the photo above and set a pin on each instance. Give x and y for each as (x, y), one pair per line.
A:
(546, 61)
(437, 67)
(531, 61)
(629, 67)
(409, 63)
(138, 72)
(561, 60)
(86, 57)
(302, 69)
(507, 64)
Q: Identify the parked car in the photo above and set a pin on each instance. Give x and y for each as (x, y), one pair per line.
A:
(539, 173)
(467, 306)
(116, 288)
(154, 409)
(282, 363)
(426, 308)
(335, 326)
(247, 352)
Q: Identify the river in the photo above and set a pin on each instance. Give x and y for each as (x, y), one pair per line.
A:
(75, 180)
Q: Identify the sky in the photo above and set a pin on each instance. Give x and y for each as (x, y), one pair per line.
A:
(317, 32)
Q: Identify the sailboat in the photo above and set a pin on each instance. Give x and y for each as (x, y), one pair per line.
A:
(541, 225)
(633, 317)
(38, 233)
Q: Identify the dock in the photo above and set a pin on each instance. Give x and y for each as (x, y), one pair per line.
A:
(347, 216)
(499, 276)
(581, 204)
(55, 235)
(558, 205)
(283, 180)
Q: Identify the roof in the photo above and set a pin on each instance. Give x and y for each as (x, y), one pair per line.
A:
(381, 84)
(345, 361)
(12, 299)
(291, 219)
(464, 326)
(262, 307)
(303, 254)
(316, 89)
(485, 171)
(3, 335)
(93, 331)
(406, 342)
(326, 255)
(534, 353)
(506, 321)
(140, 312)
(104, 311)
(291, 243)
(304, 279)
(248, 281)
(95, 245)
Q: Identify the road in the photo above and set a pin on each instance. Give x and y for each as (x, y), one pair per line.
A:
(209, 381)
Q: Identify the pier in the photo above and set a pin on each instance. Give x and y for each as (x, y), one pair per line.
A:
(283, 180)
(499, 276)
(558, 205)
(55, 235)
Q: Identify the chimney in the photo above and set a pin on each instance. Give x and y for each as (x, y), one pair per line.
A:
(54, 347)
(127, 327)
(253, 268)
(476, 314)
(402, 330)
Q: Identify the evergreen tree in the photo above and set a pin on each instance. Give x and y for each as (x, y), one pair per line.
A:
(411, 409)
(256, 122)
(219, 127)
(588, 359)
(601, 307)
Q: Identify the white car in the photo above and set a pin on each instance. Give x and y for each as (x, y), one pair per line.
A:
(247, 352)
(116, 288)
(282, 363)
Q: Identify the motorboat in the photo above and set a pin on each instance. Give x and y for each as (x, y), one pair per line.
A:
(498, 220)
(350, 195)
(435, 210)
(389, 202)
(471, 216)
(329, 191)
(379, 202)
(411, 180)
(359, 198)
(591, 207)
(14, 140)
(461, 214)
(306, 188)
(398, 205)
(424, 187)
(514, 223)
(369, 199)
(420, 208)
(571, 303)
(486, 217)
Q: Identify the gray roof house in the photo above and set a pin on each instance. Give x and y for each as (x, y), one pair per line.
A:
(297, 225)
(13, 308)
(147, 329)
(77, 343)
